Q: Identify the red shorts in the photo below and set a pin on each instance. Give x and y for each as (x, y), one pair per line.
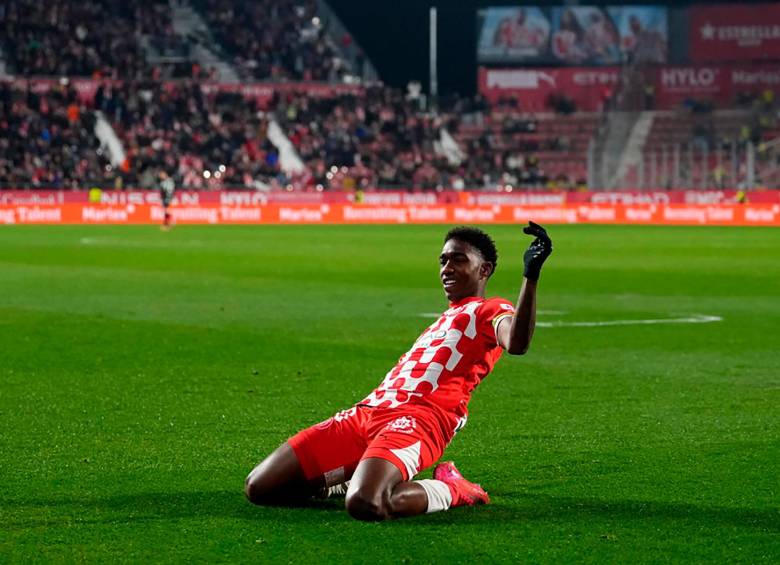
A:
(411, 437)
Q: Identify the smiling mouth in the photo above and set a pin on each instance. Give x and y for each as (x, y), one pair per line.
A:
(449, 283)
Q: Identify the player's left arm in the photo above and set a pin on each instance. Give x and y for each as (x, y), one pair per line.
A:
(514, 333)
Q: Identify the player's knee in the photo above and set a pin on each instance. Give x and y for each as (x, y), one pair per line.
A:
(255, 490)
(251, 490)
(366, 506)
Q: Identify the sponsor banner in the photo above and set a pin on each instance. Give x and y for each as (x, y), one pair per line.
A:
(643, 32)
(192, 197)
(572, 35)
(593, 35)
(734, 32)
(510, 198)
(263, 92)
(587, 87)
(513, 34)
(719, 83)
(86, 88)
(32, 197)
(631, 197)
(195, 197)
(385, 198)
(585, 35)
(673, 85)
(586, 213)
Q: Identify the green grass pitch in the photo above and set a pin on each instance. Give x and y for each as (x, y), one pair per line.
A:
(143, 374)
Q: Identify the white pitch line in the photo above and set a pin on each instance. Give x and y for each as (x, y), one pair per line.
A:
(143, 244)
(694, 319)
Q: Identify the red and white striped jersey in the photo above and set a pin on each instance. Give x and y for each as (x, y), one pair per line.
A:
(448, 360)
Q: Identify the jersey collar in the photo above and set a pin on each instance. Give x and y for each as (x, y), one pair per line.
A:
(466, 300)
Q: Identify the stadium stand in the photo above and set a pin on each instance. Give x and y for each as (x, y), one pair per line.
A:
(189, 135)
(108, 38)
(88, 38)
(538, 149)
(47, 140)
(378, 138)
(698, 145)
(692, 148)
(374, 136)
(274, 39)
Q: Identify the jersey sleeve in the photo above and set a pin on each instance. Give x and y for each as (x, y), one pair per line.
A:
(491, 313)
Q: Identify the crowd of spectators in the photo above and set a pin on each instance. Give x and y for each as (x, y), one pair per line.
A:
(274, 39)
(757, 120)
(764, 114)
(371, 137)
(383, 139)
(87, 38)
(47, 140)
(202, 141)
(380, 137)
(135, 40)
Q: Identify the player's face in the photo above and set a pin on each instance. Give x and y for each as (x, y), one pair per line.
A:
(462, 270)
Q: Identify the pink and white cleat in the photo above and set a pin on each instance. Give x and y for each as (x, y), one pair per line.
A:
(464, 493)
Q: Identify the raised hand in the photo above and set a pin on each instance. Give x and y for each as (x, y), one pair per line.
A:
(537, 252)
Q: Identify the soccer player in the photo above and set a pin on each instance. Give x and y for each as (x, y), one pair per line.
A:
(167, 187)
(372, 451)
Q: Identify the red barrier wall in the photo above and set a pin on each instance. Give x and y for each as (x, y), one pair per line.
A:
(588, 87)
(719, 83)
(386, 198)
(685, 207)
(213, 213)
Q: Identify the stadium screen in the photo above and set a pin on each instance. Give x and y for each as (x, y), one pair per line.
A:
(572, 35)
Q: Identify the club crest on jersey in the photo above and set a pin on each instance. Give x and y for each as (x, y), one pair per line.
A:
(402, 424)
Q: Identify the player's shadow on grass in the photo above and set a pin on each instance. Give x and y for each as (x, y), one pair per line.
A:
(147, 507)
(511, 507)
(526, 507)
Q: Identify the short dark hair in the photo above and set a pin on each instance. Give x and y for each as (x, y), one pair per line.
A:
(478, 239)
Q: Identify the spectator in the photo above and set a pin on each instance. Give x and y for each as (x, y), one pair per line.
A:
(275, 39)
(352, 141)
(47, 141)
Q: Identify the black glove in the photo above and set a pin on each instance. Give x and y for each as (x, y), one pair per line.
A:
(537, 252)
